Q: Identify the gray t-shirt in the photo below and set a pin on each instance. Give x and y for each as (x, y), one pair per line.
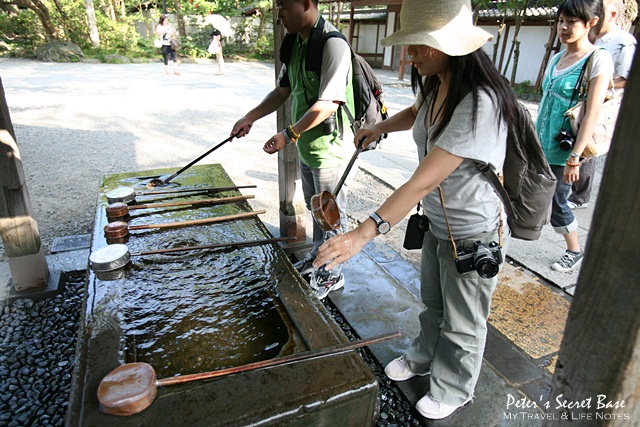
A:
(471, 202)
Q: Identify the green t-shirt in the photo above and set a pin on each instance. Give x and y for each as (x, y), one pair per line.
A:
(317, 149)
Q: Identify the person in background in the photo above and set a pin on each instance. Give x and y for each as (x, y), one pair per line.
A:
(460, 119)
(324, 151)
(577, 19)
(165, 32)
(622, 46)
(215, 47)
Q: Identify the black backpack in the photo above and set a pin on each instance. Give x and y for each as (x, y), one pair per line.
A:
(529, 183)
(368, 94)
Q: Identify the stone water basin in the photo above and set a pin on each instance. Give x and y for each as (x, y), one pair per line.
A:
(205, 310)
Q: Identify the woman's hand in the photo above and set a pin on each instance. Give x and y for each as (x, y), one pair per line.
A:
(571, 174)
(366, 136)
(339, 249)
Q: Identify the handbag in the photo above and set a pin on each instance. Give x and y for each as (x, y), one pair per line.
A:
(600, 140)
(175, 44)
(416, 227)
(214, 47)
(157, 43)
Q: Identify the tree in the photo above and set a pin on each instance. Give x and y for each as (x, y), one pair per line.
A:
(41, 11)
(94, 36)
(519, 10)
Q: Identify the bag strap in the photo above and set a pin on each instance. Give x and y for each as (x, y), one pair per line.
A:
(446, 218)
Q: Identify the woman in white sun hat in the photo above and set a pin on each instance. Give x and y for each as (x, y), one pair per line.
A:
(461, 114)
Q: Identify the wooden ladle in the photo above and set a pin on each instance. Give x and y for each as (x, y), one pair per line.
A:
(324, 206)
(120, 209)
(114, 257)
(128, 194)
(130, 388)
(156, 182)
(120, 229)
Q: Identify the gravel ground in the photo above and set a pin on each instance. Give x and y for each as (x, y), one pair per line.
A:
(77, 122)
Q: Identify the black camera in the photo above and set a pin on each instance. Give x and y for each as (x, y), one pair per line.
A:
(329, 124)
(416, 227)
(566, 140)
(485, 259)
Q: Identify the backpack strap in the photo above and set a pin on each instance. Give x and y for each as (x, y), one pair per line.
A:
(497, 185)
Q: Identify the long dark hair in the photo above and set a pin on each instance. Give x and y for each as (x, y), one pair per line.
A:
(469, 74)
(584, 10)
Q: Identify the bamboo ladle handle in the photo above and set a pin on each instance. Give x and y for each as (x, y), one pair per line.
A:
(197, 221)
(192, 202)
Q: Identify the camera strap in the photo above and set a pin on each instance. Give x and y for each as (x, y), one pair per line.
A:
(446, 218)
(579, 89)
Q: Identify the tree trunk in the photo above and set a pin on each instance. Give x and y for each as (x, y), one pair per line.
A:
(547, 54)
(516, 57)
(598, 362)
(43, 14)
(93, 25)
(181, 29)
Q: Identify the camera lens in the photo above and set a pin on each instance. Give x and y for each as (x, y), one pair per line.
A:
(566, 144)
(484, 262)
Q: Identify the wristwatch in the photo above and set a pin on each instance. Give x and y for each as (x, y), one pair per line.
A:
(574, 155)
(382, 226)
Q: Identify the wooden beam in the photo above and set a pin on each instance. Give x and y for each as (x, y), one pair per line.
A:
(291, 201)
(598, 362)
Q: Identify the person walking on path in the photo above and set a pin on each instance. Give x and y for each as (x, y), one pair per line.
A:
(577, 19)
(460, 120)
(324, 151)
(622, 46)
(165, 31)
(215, 47)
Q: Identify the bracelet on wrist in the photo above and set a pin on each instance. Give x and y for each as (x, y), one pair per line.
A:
(575, 165)
(293, 133)
(288, 139)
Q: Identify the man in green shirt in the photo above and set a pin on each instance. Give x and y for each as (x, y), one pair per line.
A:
(324, 150)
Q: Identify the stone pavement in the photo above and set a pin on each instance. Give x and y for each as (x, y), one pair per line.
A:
(382, 293)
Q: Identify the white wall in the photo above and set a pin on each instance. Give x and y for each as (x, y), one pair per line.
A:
(532, 41)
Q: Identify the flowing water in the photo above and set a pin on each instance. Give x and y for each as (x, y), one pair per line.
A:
(197, 311)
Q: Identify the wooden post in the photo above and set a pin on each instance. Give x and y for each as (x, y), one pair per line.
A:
(18, 227)
(291, 200)
(599, 361)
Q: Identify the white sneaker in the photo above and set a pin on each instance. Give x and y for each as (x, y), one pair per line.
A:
(573, 205)
(397, 370)
(434, 410)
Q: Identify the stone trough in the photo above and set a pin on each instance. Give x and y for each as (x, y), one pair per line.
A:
(207, 310)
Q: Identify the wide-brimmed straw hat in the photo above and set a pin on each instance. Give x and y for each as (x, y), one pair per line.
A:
(446, 25)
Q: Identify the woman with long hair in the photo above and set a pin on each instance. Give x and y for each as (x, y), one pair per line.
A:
(460, 118)
(578, 23)
(165, 31)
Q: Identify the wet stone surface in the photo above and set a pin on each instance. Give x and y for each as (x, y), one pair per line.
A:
(38, 341)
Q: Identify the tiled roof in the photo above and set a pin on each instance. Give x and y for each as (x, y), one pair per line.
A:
(365, 15)
(532, 12)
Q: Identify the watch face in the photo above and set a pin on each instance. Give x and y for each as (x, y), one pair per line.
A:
(384, 227)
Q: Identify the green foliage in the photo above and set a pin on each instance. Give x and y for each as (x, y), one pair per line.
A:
(263, 48)
(22, 30)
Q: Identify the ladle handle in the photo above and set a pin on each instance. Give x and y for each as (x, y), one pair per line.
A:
(329, 351)
(214, 246)
(193, 202)
(347, 170)
(197, 221)
(199, 158)
(193, 190)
